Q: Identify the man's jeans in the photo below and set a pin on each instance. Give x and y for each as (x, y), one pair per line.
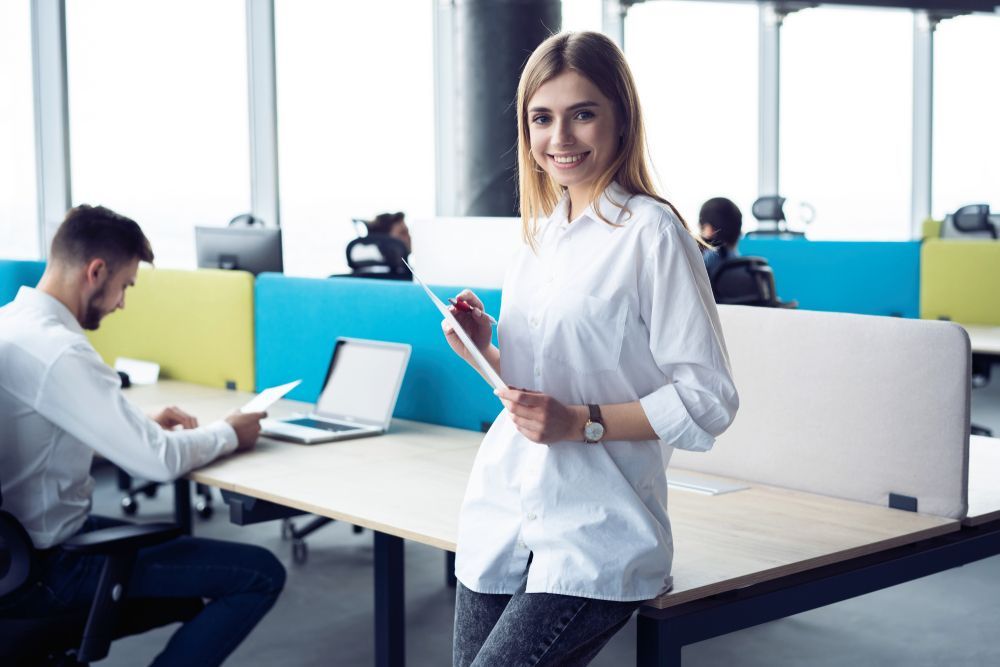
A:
(241, 581)
(533, 628)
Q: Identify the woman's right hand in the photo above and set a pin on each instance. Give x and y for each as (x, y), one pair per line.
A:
(476, 325)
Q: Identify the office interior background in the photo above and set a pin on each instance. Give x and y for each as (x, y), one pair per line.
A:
(161, 128)
(159, 115)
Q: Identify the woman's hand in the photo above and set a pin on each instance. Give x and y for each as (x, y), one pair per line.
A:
(541, 418)
(476, 325)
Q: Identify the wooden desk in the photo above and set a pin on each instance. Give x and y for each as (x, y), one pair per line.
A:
(409, 484)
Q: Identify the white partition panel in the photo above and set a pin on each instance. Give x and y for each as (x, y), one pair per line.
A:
(851, 406)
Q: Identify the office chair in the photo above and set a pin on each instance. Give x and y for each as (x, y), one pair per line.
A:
(974, 219)
(747, 281)
(130, 505)
(770, 212)
(77, 637)
(378, 256)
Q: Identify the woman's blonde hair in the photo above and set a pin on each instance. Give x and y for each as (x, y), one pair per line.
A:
(598, 59)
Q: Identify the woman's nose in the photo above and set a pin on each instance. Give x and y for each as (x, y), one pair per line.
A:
(563, 134)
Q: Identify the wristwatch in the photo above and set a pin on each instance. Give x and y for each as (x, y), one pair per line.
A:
(593, 430)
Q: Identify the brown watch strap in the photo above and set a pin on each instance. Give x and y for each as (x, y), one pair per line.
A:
(595, 414)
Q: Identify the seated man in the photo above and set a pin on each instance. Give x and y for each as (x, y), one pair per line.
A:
(720, 223)
(59, 403)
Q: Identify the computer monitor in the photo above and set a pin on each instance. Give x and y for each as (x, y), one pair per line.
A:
(253, 249)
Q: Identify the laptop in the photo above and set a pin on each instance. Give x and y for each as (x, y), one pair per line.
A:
(358, 397)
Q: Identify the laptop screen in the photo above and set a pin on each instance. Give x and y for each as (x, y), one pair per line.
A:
(364, 380)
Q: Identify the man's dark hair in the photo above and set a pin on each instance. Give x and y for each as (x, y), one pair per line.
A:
(383, 222)
(96, 232)
(725, 218)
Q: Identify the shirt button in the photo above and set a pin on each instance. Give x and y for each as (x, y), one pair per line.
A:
(532, 516)
(534, 321)
(538, 372)
(521, 545)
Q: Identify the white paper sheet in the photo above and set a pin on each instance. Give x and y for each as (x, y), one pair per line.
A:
(477, 356)
(265, 399)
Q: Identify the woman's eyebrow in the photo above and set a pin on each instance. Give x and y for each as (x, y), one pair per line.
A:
(578, 105)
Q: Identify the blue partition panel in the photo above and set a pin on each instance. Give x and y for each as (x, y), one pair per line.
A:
(14, 274)
(297, 321)
(865, 277)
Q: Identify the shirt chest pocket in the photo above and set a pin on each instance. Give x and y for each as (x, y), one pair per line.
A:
(585, 332)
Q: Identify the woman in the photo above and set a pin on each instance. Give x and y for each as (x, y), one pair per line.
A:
(720, 223)
(609, 327)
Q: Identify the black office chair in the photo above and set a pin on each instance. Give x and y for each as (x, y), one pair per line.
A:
(770, 213)
(974, 219)
(78, 637)
(378, 256)
(747, 281)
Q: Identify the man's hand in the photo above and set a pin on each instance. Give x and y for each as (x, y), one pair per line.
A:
(171, 417)
(247, 427)
(541, 418)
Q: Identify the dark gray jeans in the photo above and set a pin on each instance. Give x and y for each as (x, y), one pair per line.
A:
(533, 628)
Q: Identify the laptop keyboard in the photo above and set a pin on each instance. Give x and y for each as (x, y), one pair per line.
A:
(324, 425)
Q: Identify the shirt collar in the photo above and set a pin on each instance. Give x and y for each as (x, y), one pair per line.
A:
(49, 305)
(609, 204)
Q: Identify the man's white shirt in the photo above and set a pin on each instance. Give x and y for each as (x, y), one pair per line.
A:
(60, 403)
(599, 314)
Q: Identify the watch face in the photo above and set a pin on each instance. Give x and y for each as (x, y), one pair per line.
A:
(593, 431)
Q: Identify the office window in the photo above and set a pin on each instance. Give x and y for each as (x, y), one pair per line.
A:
(966, 151)
(18, 204)
(846, 120)
(158, 114)
(355, 122)
(582, 15)
(695, 65)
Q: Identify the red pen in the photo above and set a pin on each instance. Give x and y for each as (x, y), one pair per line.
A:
(465, 307)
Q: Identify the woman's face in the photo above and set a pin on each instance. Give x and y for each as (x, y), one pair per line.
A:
(573, 130)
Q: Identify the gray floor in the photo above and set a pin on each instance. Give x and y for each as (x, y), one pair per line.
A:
(324, 616)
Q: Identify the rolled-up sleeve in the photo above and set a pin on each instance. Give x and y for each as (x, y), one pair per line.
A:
(81, 395)
(698, 400)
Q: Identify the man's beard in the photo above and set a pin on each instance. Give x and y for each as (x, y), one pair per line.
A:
(92, 315)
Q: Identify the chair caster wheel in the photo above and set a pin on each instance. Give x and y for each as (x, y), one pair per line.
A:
(129, 506)
(150, 492)
(205, 510)
(287, 529)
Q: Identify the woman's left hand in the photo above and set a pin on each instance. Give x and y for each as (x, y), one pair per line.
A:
(539, 417)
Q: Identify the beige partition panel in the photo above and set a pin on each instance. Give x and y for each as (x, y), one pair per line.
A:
(851, 406)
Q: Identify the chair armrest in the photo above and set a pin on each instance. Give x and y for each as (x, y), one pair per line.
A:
(121, 538)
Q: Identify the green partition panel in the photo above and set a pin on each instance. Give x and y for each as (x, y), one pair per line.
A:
(198, 325)
(960, 281)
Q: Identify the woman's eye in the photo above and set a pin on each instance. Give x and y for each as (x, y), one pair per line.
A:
(585, 115)
(541, 119)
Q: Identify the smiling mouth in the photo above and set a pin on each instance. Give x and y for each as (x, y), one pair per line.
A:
(568, 161)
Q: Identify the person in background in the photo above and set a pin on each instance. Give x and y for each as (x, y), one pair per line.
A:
(612, 350)
(394, 225)
(60, 404)
(720, 223)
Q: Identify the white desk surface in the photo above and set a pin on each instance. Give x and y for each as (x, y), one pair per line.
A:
(984, 339)
(410, 483)
(984, 480)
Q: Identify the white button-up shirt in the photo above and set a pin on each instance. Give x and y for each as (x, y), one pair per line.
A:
(600, 314)
(59, 403)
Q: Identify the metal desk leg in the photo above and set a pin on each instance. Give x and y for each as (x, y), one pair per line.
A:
(390, 616)
(653, 645)
(449, 569)
(182, 505)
